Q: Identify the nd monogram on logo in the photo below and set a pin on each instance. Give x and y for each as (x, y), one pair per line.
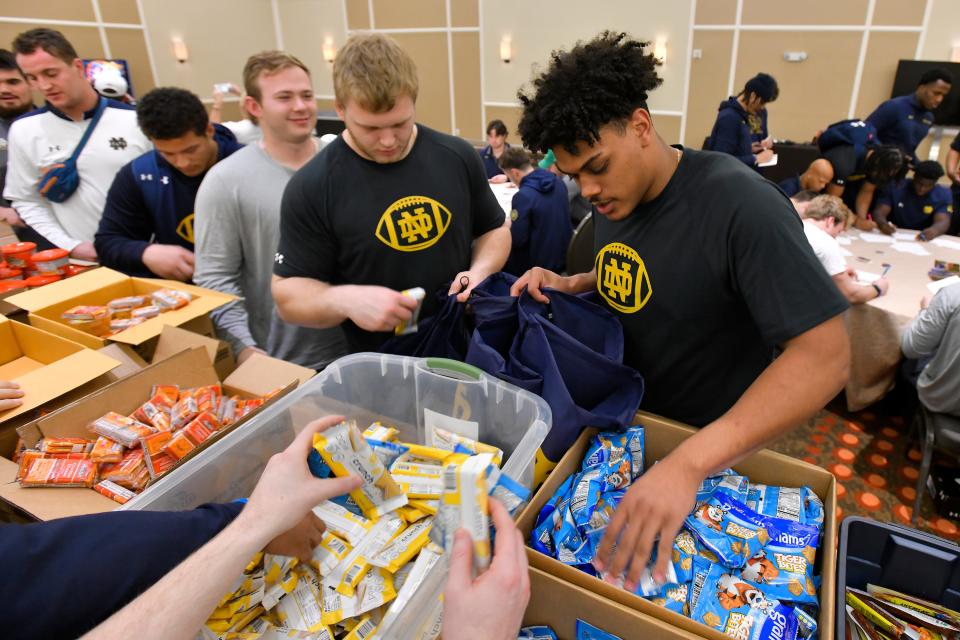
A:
(413, 223)
(622, 278)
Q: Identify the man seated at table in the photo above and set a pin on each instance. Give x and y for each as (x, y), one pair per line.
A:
(816, 177)
(933, 340)
(825, 218)
(539, 217)
(801, 200)
(918, 203)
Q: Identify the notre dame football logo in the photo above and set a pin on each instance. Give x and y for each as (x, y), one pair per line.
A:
(622, 278)
(413, 223)
(185, 228)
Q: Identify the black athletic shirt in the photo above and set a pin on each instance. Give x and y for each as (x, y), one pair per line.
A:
(347, 220)
(707, 278)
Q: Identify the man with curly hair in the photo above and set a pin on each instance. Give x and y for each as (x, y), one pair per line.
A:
(706, 265)
(147, 224)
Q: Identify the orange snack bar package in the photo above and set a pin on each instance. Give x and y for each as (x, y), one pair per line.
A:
(27, 458)
(131, 472)
(122, 307)
(201, 427)
(170, 299)
(250, 405)
(208, 398)
(155, 412)
(122, 429)
(106, 450)
(179, 446)
(53, 472)
(159, 463)
(169, 391)
(114, 491)
(145, 313)
(65, 445)
(184, 411)
(156, 458)
(227, 411)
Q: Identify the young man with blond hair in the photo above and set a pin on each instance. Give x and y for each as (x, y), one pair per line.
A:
(825, 218)
(389, 205)
(238, 215)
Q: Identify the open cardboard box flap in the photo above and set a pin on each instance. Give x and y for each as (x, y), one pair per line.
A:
(661, 436)
(44, 365)
(173, 340)
(48, 504)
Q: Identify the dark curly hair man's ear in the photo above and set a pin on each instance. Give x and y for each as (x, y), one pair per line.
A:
(599, 82)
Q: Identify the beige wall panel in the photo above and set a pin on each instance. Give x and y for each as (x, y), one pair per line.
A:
(708, 83)
(86, 40)
(130, 45)
(49, 9)
(325, 105)
(119, 11)
(464, 13)
(669, 128)
(230, 112)
(429, 51)
(537, 28)
(813, 93)
(903, 13)
(884, 51)
(358, 14)
(510, 117)
(409, 14)
(306, 24)
(217, 51)
(466, 87)
(716, 12)
(808, 12)
(943, 30)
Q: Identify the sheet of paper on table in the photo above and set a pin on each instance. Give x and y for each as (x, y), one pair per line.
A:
(875, 237)
(910, 247)
(845, 253)
(947, 243)
(844, 240)
(940, 284)
(903, 236)
(866, 277)
(772, 162)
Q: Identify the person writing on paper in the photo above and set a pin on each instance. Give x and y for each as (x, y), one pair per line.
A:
(933, 338)
(825, 218)
(490, 606)
(10, 395)
(919, 203)
(705, 264)
(741, 125)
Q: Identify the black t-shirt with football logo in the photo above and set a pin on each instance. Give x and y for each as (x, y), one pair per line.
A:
(347, 220)
(707, 279)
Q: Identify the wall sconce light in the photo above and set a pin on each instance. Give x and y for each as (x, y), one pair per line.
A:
(506, 49)
(180, 51)
(329, 50)
(660, 49)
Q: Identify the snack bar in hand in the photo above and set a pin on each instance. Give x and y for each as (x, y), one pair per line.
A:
(125, 453)
(378, 555)
(121, 314)
(746, 571)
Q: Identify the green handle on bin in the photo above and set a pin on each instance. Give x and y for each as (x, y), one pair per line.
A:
(456, 366)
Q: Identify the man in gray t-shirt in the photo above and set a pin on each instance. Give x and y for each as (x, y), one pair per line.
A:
(933, 337)
(237, 222)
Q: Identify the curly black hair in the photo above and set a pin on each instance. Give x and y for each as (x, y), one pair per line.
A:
(886, 164)
(928, 170)
(169, 112)
(596, 83)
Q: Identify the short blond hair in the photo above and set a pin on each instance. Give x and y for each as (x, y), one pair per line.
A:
(266, 63)
(373, 70)
(823, 207)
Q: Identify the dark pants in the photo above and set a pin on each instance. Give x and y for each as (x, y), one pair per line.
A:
(27, 234)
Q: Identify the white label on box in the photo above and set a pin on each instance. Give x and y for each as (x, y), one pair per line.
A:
(433, 420)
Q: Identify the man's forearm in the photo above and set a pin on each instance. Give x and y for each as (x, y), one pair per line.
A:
(880, 215)
(581, 282)
(490, 251)
(190, 592)
(939, 227)
(864, 198)
(811, 371)
(311, 303)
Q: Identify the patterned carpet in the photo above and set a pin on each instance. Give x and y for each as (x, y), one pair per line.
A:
(875, 465)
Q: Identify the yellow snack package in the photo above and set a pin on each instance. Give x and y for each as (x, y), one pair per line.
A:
(301, 609)
(375, 589)
(399, 551)
(444, 439)
(464, 504)
(403, 467)
(363, 630)
(416, 583)
(421, 487)
(343, 522)
(347, 453)
(412, 514)
(429, 506)
(347, 574)
(329, 553)
(380, 432)
(427, 453)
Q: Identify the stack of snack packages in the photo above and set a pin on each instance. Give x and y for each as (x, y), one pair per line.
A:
(584, 630)
(129, 452)
(879, 613)
(375, 573)
(742, 564)
(123, 313)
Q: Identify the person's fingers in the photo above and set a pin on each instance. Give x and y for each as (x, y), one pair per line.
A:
(664, 549)
(505, 545)
(189, 258)
(522, 566)
(407, 302)
(459, 579)
(520, 285)
(8, 384)
(334, 487)
(10, 394)
(609, 539)
(640, 551)
(6, 405)
(625, 548)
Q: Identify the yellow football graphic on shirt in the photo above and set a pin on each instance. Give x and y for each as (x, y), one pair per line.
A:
(413, 223)
(185, 228)
(928, 209)
(622, 278)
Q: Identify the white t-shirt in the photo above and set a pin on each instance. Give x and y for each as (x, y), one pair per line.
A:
(826, 247)
(244, 130)
(45, 137)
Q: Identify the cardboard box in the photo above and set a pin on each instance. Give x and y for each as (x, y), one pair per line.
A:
(44, 365)
(661, 437)
(100, 286)
(191, 368)
(173, 340)
(557, 604)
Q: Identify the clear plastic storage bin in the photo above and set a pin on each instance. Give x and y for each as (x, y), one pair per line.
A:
(408, 393)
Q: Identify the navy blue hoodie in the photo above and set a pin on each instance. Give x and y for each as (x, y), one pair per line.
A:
(731, 132)
(540, 228)
(150, 201)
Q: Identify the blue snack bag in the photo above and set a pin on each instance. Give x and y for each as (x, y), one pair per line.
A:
(738, 609)
(784, 566)
(348, 503)
(798, 504)
(541, 539)
(586, 631)
(537, 633)
(317, 466)
(728, 528)
(806, 624)
(683, 552)
(673, 597)
(619, 457)
(728, 480)
(701, 568)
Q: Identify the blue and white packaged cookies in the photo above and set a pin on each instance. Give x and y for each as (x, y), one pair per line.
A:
(618, 458)
(741, 610)
(728, 528)
(586, 631)
(673, 597)
(799, 504)
(729, 481)
(537, 633)
(783, 568)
